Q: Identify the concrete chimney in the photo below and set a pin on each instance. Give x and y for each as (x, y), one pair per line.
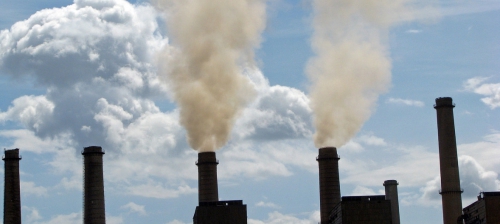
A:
(12, 191)
(93, 186)
(391, 193)
(329, 184)
(207, 177)
(448, 161)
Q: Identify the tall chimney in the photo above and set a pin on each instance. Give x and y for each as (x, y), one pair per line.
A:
(391, 193)
(207, 177)
(93, 186)
(329, 184)
(448, 161)
(12, 193)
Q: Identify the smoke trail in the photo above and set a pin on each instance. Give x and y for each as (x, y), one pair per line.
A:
(351, 66)
(212, 40)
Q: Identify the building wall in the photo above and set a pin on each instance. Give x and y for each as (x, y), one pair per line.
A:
(486, 210)
(221, 212)
(363, 210)
(492, 206)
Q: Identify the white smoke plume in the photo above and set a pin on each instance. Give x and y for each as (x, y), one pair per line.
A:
(351, 66)
(212, 40)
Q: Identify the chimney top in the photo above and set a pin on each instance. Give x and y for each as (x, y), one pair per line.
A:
(11, 154)
(444, 102)
(206, 157)
(92, 150)
(390, 182)
(327, 153)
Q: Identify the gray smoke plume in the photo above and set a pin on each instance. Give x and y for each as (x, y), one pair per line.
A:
(212, 40)
(351, 66)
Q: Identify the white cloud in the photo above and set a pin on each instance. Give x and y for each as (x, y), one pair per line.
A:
(413, 31)
(30, 188)
(176, 222)
(371, 140)
(407, 102)
(491, 91)
(279, 218)
(473, 179)
(133, 207)
(31, 111)
(360, 190)
(267, 204)
(33, 214)
(73, 218)
(157, 190)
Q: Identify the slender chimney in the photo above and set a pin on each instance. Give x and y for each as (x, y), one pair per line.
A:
(329, 184)
(93, 186)
(448, 161)
(391, 193)
(12, 193)
(207, 177)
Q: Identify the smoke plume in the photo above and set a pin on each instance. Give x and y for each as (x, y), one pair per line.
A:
(213, 40)
(351, 66)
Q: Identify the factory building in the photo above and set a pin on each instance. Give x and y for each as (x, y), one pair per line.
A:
(370, 209)
(210, 210)
(221, 212)
(486, 210)
(374, 209)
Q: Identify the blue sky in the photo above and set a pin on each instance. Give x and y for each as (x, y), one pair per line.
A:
(70, 80)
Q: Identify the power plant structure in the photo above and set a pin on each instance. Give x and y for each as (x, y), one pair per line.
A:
(484, 210)
(448, 161)
(93, 186)
(210, 210)
(334, 208)
(12, 188)
(329, 182)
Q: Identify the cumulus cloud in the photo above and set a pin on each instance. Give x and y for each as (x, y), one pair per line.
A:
(73, 218)
(360, 190)
(30, 188)
(473, 179)
(407, 102)
(491, 91)
(279, 218)
(133, 207)
(267, 204)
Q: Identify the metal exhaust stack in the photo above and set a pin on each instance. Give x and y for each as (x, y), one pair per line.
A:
(329, 184)
(12, 193)
(93, 186)
(448, 161)
(391, 193)
(207, 177)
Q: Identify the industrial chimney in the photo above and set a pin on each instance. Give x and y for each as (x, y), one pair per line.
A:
(329, 184)
(12, 193)
(93, 186)
(448, 161)
(391, 193)
(207, 177)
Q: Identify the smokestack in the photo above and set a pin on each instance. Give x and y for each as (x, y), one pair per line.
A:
(448, 161)
(12, 193)
(207, 177)
(329, 184)
(93, 186)
(391, 193)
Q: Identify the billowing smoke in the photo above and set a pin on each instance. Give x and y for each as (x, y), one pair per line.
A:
(351, 66)
(212, 40)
